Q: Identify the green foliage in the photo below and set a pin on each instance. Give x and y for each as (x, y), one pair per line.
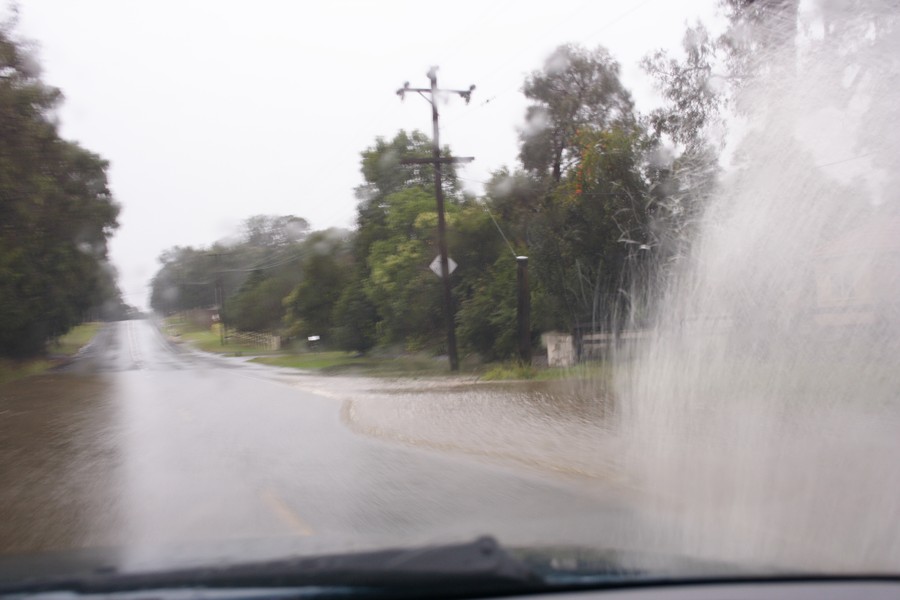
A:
(605, 214)
(312, 361)
(601, 197)
(509, 371)
(487, 319)
(185, 280)
(595, 229)
(383, 175)
(340, 362)
(310, 306)
(75, 339)
(576, 89)
(599, 373)
(355, 318)
(57, 213)
(515, 199)
(62, 348)
(268, 231)
(406, 295)
(257, 306)
(271, 245)
(694, 91)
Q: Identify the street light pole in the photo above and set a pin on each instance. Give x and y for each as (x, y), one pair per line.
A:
(523, 310)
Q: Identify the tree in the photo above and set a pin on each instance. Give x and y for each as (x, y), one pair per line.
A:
(515, 199)
(694, 91)
(109, 304)
(309, 308)
(690, 131)
(271, 245)
(389, 282)
(274, 232)
(576, 89)
(585, 207)
(355, 317)
(56, 216)
(383, 175)
(596, 228)
(404, 292)
(185, 280)
(257, 305)
(488, 317)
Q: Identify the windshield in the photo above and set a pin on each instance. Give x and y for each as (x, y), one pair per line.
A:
(612, 283)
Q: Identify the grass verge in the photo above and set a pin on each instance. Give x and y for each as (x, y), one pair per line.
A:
(516, 371)
(11, 370)
(76, 339)
(421, 366)
(209, 340)
(64, 347)
(346, 363)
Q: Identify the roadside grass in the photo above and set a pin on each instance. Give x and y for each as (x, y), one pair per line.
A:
(11, 370)
(517, 371)
(312, 360)
(211, 341)
(77, 338)
(64, 347)
(208, 340)
(331, 362)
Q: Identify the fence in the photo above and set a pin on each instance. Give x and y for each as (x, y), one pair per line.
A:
(254, 339)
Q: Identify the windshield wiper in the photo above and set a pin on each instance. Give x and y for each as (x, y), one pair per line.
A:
(444, 571)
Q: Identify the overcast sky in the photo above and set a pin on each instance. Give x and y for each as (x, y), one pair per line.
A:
(213, 111)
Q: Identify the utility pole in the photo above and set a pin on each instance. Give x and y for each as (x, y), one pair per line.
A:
(437, 161)
(220, 298)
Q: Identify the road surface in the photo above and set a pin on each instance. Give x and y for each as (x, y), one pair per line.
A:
(160, 453)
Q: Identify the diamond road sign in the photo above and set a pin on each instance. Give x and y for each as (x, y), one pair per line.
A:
(435, 265)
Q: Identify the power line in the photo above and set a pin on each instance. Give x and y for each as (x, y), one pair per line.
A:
(276, 256)
(285, 261)
(491, 215)
(195, 282)
(264, 267)
(617, 19)
(507, 89)
(837, 162)
(497, 225)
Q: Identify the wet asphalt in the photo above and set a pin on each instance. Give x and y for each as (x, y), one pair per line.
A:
(159, 452)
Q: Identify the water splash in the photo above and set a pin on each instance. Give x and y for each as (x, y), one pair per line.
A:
(765, 412)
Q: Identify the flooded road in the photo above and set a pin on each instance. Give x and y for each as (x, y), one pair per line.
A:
(565, 427)
(162, 453)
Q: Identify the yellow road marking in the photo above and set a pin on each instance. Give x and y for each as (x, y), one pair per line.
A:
(280, 508)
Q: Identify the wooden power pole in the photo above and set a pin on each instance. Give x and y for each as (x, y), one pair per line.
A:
(220, 297)
(437, 161)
